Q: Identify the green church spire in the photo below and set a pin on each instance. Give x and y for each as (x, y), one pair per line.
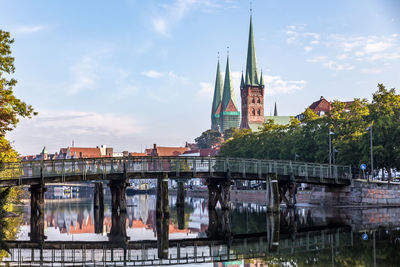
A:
(251, 66)
(229, 93)
(216, 109)
(242, 82)
(261, 79)
(230, 116)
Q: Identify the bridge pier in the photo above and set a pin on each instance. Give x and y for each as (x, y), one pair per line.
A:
(162, 217)
(118, 228)
(273, 195)
(219, 190)
(219, 225)
(37, 198)
(118, 194)
(98, 196)
(37, 227)
(180, 198)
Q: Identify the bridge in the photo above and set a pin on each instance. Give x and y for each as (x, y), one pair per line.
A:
(218, 172)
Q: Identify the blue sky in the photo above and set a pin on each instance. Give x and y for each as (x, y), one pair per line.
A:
(132, 73)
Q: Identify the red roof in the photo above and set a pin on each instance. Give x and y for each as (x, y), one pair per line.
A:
(136, 154)
(169, 151)
(85, 152)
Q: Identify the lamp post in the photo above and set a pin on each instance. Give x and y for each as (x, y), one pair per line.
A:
(330, 152)
(334, 151)
(372, 153)
(296, 156)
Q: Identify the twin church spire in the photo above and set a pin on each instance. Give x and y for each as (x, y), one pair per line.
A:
(224, 113)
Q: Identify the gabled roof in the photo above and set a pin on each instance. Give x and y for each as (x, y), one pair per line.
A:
(321, 105)
(251, 65)
(228, 96)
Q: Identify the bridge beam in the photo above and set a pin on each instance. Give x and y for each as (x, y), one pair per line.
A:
(118, 194)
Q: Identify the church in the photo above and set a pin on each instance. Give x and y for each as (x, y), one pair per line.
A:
(225, 113)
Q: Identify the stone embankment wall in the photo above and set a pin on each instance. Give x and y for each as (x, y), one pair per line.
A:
(360, 193)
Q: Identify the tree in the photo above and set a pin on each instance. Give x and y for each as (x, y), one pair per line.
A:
(228, 133)
(384, 116)
(11, 107)
(208, 139)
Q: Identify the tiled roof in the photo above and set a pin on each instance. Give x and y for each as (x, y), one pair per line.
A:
(87, 152)
(169, 151)
(321, 105)
(136, 154)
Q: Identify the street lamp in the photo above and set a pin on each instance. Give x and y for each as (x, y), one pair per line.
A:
(372, 153)
(330, 152)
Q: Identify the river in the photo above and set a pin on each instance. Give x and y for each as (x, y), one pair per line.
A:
(244, 235)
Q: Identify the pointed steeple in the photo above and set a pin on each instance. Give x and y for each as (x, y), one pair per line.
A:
(251, 65)
(216, 104)
(261, 79)
(275, 110)
(229, 93)
(242, 82)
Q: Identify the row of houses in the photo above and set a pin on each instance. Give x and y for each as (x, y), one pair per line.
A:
(104, 151)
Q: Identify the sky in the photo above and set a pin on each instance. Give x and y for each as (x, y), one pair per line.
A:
(129, 74)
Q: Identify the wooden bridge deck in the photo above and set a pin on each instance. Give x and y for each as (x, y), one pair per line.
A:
(73, 170)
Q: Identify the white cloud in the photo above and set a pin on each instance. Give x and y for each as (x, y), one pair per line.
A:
(27, 29)
(206, 91)
(153, 74)
(160, 26)
(77, 123)
(277, 85)
(85, 76)
(174, 12)
(371, 71)
(376, 47)
(308, 48)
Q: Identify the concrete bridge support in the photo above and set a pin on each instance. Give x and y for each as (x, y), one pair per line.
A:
(181, 217)
(162, 217)
(118, 194)
(219, 190)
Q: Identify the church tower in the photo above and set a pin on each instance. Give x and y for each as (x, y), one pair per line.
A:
(230, 116)
(252, 89)
(217, 101)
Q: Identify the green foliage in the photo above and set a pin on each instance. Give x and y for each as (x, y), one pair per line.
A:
(310, 139)
(11, 107)
(228, 133)
(208, 139)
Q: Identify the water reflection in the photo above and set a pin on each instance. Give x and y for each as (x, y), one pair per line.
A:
(307, 236)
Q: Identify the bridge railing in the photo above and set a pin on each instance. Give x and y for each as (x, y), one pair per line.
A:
(177, 165)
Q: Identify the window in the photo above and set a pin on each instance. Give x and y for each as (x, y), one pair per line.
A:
(258, 100)
(258, 112)
(253, 100)
(253, 112)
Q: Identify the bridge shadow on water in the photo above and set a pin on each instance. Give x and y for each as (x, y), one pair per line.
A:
(245, 233)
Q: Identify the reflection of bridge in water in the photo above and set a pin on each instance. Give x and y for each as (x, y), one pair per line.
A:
(218, 246)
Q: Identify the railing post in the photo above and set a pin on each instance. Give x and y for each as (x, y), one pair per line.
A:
(244, 168)
(306, 174)
(259, 168)
(209, 166)
(321, 173)
(194, 166)
(177, 166)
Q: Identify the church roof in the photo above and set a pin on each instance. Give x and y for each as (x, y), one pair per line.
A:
(242, 82)
(251, 65)
(228, 97)
(217, 91)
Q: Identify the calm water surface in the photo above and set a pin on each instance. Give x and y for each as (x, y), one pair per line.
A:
(243, 236)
